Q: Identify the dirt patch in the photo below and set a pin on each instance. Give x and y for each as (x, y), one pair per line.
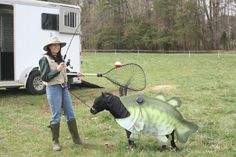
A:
(45, 109)
(26, 126)
(164, 88)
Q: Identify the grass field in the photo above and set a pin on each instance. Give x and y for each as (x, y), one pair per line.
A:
(205, 83)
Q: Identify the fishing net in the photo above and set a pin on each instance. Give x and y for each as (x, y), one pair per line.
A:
(130, 76)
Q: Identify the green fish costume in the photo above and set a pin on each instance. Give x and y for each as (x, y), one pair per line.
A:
(156, 116)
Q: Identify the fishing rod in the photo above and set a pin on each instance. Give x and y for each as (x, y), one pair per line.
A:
(68, 61)
(73, 35)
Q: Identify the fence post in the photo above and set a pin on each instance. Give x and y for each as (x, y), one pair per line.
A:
(189, 54)
(138, 52)
(218, 53)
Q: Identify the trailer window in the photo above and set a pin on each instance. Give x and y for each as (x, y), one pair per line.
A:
(50, 21)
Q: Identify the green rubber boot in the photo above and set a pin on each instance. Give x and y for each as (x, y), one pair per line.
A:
(55, 128)
(74, 132)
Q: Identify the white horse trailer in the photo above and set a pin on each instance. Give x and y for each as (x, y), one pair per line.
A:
(25, 27)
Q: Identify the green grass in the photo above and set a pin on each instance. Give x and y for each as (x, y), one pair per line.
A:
(205, 83)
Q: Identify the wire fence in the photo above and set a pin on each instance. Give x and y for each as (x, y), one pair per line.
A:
(189, 52)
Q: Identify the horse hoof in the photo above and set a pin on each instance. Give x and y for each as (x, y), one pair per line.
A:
(132, 146)
(174, 149)
(163, 148)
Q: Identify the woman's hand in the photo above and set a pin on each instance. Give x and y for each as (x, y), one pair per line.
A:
(61, 66)
(79, 74)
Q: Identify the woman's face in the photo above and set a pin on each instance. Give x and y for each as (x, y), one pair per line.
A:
(55, 48)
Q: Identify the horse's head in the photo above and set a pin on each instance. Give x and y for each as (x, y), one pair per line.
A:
(100, 103)
(111, 103)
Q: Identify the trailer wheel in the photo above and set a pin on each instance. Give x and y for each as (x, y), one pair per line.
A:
(35, 84)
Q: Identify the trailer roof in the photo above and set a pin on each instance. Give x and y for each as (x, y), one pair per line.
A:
(37, 3)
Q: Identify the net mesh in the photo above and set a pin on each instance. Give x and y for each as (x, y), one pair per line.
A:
(130, 76)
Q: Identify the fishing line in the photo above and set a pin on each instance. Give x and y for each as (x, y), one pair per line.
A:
(83, 102)
(80, 24)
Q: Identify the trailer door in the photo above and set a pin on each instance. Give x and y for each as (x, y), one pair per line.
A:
(6, 43)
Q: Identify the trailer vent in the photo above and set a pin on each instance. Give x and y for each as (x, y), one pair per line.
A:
(69, 20)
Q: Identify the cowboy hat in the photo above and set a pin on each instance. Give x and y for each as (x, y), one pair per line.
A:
(53, 40)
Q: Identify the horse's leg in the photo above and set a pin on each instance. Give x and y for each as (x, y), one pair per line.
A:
(125, 91)
(164, 147)
(122, 91)
(173, 146)
(130, 142)
(172, 142)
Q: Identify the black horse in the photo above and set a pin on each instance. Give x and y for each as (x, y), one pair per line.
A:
(114, 105)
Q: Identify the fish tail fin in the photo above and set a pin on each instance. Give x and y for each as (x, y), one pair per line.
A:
(185, 130)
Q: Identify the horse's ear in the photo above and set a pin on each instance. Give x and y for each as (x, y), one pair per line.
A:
(103, 95)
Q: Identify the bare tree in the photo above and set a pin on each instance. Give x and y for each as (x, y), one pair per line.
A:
(187, 24)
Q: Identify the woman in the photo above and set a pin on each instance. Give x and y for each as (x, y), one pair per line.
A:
(53, 74)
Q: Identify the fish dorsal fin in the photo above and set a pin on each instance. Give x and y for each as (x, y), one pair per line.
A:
(174, 101)
(161, 96)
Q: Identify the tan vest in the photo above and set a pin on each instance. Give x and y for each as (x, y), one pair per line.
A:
(60, 78)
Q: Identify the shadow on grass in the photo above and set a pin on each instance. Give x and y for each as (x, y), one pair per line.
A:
(13, 91)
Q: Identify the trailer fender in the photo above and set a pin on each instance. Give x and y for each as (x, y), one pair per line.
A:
(25, 74)
(32, 81)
